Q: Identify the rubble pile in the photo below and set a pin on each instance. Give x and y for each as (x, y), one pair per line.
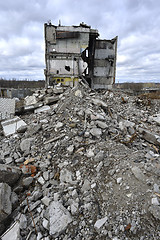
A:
(86, 166)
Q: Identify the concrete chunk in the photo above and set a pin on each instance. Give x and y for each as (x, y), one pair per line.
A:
(7, 108)
(12, 125)
(25, 145)
(99, 223)
(5, 201)
(138, 173)
(42, 109)
(50, 100)
(59, 218)
(150, 136)
(96, 132)
(29, 100)
(13, 233)
(155, 211)
(9, 175)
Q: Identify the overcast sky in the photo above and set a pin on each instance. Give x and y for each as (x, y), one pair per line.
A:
(136, 22)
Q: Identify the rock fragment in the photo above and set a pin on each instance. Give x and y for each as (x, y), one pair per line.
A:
(138, 173)
(96, 132)
(5, 201)
(59, 218)
(9, 174)
(100, 222)
(25, 145)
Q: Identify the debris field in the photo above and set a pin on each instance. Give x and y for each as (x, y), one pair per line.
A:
(85, 165)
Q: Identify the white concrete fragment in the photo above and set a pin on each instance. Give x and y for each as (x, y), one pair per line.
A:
(78, 175)
(90, 153)
(13, 233)
(97, 132)
(42, 109)
(25, 145)
(155, 201)
(59, 218)
(86, 185)
(74, 194)
(30, 100)
(59, 125)
(93, 185)
(78, 93)
(99, 223)
(125, 123)
(74, 208)
(70, 149)
(46, 175)
(45, 223)
(11, 126)
(66, 176)
(101, 124)
(41, 180)
(46, 200)
(98, 168)
(119, 180)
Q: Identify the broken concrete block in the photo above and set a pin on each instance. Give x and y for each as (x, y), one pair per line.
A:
(22, 129)
(96, 132)
(27, 181)
(138, 173)
(13, 233)
(66, 176)
(150, 136)
(101, 124)
(86, 185)
(30, 100)
(7, 108)
(99, 223)
(58, 90)
(12, 125)
(78, 93)
(46, 200)
(50, 100)
(89, 153)
(25, 145)
(42, 109)
(5, 201)
(74, 207)
(126, 124)
(59, 125)
(59, 218)
(32, 107)
(155, 211)
(9, 175)
(155, 118)
(99, 102)
(45, 224)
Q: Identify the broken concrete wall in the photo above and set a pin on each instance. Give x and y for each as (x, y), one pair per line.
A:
(64, 46)
(104, 63)
(73, 51)
(7, 108)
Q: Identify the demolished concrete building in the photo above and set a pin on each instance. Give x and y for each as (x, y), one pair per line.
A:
(76, 51)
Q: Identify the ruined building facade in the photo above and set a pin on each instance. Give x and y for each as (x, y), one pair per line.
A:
(75, 51)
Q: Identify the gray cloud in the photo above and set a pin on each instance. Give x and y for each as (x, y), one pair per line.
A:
(136, 22)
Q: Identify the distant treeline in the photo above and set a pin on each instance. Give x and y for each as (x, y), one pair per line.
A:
(21, 84)
(137, 86)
